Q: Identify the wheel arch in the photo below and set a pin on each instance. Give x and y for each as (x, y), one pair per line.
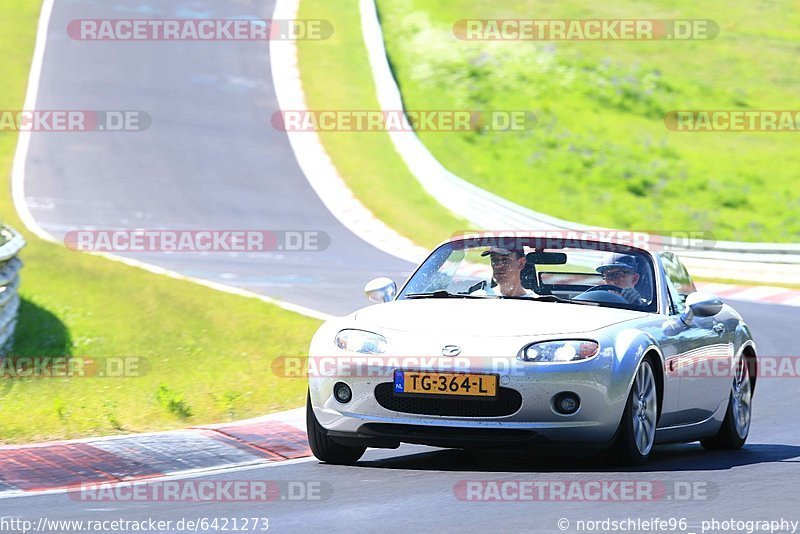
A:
(632, 348)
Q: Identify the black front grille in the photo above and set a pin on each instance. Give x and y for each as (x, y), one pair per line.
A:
(507, 403)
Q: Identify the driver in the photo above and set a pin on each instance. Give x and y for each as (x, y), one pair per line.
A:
(620, 270)
(507, 264)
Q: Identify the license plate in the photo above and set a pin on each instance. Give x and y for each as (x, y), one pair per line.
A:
(419, 383)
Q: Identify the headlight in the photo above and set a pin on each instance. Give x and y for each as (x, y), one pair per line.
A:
(570, 350)
(361, 341)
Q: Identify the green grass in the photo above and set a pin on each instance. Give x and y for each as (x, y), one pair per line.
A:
(336, 76)
(601, 153)
(209, 354)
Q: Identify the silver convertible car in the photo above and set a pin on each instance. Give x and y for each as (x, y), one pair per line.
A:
(533, 341)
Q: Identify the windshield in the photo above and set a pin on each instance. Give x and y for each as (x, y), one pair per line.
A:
(570, 271)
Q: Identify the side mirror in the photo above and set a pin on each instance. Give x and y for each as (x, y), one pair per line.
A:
(701, 304)
(380, 289)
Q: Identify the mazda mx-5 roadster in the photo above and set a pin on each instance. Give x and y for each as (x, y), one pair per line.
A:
(533, 341)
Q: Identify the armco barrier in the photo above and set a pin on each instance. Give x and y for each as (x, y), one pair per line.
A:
(11, 242)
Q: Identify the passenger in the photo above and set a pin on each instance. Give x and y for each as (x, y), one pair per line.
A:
(507, 264)
(621, 270)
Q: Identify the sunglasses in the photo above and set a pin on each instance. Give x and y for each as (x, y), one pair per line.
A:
(614, 275)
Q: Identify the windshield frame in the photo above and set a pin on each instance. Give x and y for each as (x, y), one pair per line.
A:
(536, 242)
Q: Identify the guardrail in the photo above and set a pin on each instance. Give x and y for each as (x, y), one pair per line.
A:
(11, 242)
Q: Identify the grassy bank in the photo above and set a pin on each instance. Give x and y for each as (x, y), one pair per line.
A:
(204, 356)
(600, 153)
(336, 75)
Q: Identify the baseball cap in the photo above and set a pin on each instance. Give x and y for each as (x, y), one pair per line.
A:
(619, 261)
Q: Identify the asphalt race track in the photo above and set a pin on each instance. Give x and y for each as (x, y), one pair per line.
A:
(211, 160)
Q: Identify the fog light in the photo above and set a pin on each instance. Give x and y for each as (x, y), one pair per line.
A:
(567, 403)
(342, 392)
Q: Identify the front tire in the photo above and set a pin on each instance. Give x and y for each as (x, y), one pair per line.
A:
(736, 425)
(637, 430)
(323, 447)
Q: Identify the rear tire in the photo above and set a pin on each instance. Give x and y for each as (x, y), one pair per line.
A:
(637, 430)
(736, 425)
(323, 447)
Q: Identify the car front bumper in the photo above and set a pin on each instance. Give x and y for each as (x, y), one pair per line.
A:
(601, 389)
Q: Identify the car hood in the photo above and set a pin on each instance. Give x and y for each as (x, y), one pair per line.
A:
(489, 317)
